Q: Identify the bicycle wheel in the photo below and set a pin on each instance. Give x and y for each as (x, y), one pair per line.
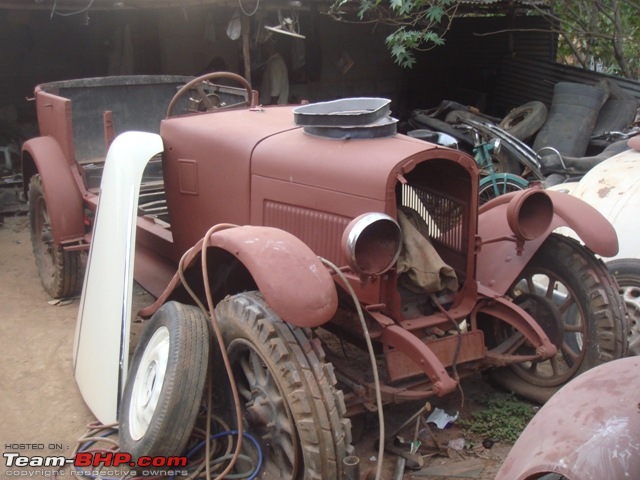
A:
(497, 184)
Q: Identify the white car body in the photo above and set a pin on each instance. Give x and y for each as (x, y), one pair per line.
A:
(613, 188)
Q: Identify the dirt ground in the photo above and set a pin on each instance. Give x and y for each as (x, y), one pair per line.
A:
(42, 412)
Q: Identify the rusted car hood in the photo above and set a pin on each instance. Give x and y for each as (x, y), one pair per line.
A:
(332, 164)
(277, 148)
(274, 160)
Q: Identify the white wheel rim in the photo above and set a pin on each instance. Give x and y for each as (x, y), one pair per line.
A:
(148, 383)
(631, 296)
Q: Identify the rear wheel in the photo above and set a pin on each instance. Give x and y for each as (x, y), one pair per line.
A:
(289, 400)
(59, 270)
(574, 299)
(626, 271)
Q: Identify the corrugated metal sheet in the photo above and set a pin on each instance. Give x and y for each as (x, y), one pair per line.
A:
(522, 80)
(466, 68)
(487, 40)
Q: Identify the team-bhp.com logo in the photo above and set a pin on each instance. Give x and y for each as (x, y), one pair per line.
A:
(86, 462)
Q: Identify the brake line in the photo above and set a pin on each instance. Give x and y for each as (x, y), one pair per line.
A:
(372, 358)
(206, 242)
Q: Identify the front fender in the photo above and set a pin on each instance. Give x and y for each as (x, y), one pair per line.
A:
(589, 429)
(293, 281)
(499, 264)
(43, 155)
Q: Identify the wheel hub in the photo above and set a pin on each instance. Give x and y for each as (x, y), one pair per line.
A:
(148, 383)
(265, 411)
(545, 313)
(260, 411)
(46, 235)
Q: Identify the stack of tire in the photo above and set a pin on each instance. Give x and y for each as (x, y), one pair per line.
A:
(571, 120)
(577, 113)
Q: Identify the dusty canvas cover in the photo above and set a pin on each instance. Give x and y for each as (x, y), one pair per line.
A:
(423, 269)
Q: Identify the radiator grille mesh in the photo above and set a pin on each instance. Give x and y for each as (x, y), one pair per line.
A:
(444, 216)
(321, 231)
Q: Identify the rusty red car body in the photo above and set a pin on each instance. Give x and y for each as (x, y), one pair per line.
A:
(255, 166)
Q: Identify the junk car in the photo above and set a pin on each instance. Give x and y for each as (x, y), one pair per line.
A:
(274, 238)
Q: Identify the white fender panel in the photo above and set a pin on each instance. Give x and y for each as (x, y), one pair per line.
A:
(101, 346)
(613, 188)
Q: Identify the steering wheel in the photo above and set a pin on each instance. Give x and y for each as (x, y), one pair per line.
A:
(210, 101)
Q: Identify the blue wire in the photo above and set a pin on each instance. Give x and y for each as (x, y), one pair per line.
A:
(87, 445)
(226, 434)
(193, 450)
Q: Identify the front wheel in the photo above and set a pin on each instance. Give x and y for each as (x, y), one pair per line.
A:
(59, 270)
(287, 391)
(496, 184)
(574, 299)
(626, 271)
(164, 387)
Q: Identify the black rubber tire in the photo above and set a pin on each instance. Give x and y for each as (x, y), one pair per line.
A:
(505, 183)
(594, 95)
(571, 120)
(291, 403)
(523, 122)
(59, 270)
(593, 325)
(167, 426)
(626, 271)
(618, 112)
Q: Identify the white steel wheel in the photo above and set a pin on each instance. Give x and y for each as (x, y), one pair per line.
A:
(626, 271)
(163, 391)
(147, 383)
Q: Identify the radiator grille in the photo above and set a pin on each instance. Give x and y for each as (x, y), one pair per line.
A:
(321, 231)
(444, 216)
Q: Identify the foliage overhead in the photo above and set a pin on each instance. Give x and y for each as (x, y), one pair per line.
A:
(601, 35)
(419, 24)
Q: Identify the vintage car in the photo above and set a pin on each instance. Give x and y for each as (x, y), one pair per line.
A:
(280, 240)
(613, 188)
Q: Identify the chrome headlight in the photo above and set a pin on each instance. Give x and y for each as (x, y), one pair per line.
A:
(371, 243)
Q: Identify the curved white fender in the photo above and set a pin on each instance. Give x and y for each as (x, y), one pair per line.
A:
(101, 347)
(612, 187)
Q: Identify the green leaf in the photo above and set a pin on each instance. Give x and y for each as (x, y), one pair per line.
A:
(435, 13)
